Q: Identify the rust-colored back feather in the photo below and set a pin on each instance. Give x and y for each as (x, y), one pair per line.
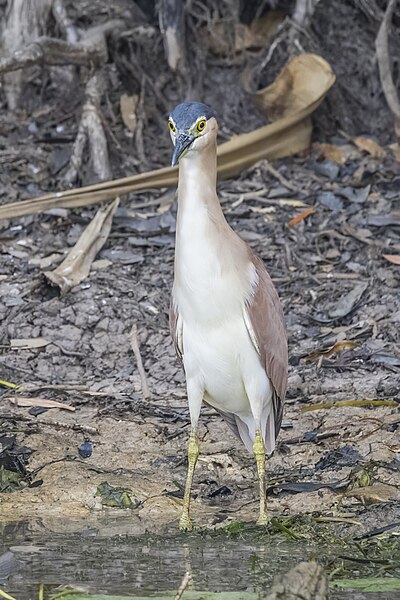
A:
(267, 321)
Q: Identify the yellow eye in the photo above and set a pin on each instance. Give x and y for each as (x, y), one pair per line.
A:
(201, 124)
(171, 126)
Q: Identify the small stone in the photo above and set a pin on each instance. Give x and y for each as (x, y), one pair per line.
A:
(85, 449)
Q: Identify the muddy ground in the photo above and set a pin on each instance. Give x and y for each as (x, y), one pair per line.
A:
(140, 444)
(335, 285)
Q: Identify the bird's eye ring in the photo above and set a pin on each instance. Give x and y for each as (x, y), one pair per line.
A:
(171, 126)
(201, 125)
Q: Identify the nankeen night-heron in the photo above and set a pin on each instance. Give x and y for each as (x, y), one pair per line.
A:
(225, 315)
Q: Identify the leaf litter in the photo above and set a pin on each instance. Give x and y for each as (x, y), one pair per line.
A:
(341, 280)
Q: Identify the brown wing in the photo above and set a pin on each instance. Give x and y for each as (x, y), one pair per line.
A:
(268, 328)
(174, 327)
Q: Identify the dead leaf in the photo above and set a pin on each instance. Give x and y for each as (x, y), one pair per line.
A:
(289, 202)
(42, 402)
(7, 384)
(379, 492)
(295, 94)
(368, 145)
(303, 215)
(218, 37)
(339, 154)
(330, 152)
(102, 263)
(28, 343)
(296, 87)
(128, 105)
(76, 266)
(47, 261)
(338, 347)
(392, 258)
(347, 303)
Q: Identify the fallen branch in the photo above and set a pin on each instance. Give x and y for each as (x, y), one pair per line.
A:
(383, 57)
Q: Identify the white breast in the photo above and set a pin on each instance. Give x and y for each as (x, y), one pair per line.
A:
(213, 278)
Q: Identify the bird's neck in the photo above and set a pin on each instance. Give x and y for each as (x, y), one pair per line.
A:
(198, 182)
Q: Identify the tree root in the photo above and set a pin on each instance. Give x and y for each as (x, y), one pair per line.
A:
(90, 52)
(91, 130)
(383, 56)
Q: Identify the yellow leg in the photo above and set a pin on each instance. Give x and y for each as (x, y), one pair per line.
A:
(185, 523)
(259, 453)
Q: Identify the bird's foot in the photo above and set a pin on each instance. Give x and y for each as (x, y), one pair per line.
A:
(263, 519)
(185, 522)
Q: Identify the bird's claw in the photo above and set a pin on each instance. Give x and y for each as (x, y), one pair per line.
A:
(263, 519)
(185, 522)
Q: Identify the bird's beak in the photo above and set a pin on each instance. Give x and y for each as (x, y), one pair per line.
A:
(182, 143)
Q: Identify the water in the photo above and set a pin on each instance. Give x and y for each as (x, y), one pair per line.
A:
(130, 565)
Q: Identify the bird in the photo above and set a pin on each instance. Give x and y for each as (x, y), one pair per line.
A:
(226, 319)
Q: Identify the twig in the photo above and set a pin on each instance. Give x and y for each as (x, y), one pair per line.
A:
(184, 583)
(48, 423)
(383, 57)
(133, 337)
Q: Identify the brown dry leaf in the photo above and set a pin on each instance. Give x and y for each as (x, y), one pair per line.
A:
(42, 402)
(218, 37)
(291, 98)
(128, 105)
(392, 258)
(379, 492)
(257, 34)
(331, 152)
(303, 215)
(338, 347)
(368, 145)
(297, 87)
(76, 266)
(28, 343)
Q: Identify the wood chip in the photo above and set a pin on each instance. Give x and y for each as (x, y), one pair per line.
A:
(303, 215)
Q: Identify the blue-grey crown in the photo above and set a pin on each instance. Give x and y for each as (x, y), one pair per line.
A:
(185, 114)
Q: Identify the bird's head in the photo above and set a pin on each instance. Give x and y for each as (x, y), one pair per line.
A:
(193, 127)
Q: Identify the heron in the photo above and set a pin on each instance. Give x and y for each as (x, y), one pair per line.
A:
(226, 318)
